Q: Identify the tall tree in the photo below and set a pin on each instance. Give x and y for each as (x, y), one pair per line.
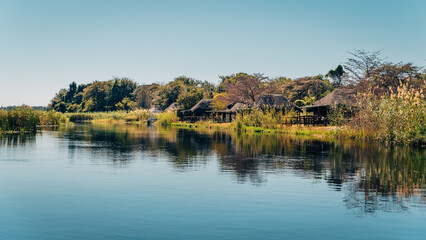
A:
(245, 88)
(361, 65)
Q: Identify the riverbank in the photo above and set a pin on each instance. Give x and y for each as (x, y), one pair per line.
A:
(317, 131)
(25, 120)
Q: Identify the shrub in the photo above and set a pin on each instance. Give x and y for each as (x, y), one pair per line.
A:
(397, 117)
(167, 118)
(255, 117)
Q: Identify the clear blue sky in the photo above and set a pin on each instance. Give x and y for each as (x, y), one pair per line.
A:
(45, 45)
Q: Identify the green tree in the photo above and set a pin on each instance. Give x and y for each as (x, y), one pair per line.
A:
(96, 96)
(243, 87)
(336, 75)
(188, 99)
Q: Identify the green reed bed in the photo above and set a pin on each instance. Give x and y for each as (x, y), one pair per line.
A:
(25, 119)
(116, 116)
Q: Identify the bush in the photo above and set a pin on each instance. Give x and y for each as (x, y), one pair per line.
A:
(52, 118)
(167, 118)
(398, 117)
(25, 119)
(136, 115)
(256, 117)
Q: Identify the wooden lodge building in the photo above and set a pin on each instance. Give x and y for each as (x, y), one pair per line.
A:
(337, 98)
(201, 111)
(230, 112)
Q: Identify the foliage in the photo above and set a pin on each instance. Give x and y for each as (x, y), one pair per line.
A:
(167, 118)
(255, 117)
(336, 75)
(361, 65)
(115, 94)
(220, 101)
(189, 98)
(397, 117)
(145, 94)
(184, 90)
(388, 77)
(310, 87)
(245, 88)
(305, 102)
(26, 119)
(141, 115)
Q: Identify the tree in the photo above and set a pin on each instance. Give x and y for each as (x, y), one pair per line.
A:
(301, 88)
(245, 88)
(188, 99)
(121, 89)
(336, 75)
(388, 77)
(96, 96)
(145, 94)
(361, 65)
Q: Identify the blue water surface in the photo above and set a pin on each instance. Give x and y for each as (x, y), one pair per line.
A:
(134, 182)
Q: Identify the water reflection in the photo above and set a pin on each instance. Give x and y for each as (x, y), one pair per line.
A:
(14, 140)
(372, 177)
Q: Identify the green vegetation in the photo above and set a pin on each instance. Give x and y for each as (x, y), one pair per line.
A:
(398, 117)
(390, 104)
(25, 119)
(116, 116)
(167, 118)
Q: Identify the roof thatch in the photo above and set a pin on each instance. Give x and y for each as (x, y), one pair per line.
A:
(275, 101)
(202, 106)
(174, 106)
(339, 96)
(233, 107)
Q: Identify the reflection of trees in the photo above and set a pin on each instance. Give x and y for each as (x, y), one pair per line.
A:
(389, 180)
(14, 140)
(120, 142)
(371, 177)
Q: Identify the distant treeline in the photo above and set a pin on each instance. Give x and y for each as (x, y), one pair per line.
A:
(41, 108)
(365, 71)
(126, 94)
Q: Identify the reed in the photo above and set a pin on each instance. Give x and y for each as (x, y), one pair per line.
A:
(140, 115)
(25, 119)
(167, 118)
(399, 117)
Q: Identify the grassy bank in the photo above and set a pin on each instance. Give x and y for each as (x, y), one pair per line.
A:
(320, 131)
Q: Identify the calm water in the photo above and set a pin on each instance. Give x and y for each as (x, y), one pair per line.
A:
(134, 182)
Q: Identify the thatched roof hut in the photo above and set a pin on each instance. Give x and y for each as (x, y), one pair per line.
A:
(341, 96)
(338, 97)
(202, 107)
(173, 107)
(276, 101)
(233, 107)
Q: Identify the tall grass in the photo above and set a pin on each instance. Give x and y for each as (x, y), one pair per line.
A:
(132, 116)
(167, 118)
(25, 119)
(255, 117)
(399, 117)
